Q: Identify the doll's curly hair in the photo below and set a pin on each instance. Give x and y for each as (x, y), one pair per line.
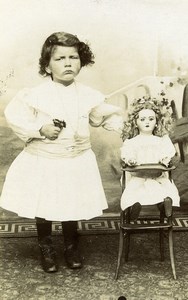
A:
(162, 109)
(67, 40)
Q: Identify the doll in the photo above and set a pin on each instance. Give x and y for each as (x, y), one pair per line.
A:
(146, 141)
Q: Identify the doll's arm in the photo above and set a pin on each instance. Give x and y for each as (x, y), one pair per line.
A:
(22, 118)
(168, 151)
(128, 155)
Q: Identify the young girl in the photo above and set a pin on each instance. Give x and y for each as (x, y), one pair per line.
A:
(55, 177)
(145, 142)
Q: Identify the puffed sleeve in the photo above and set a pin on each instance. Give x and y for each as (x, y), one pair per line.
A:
(22, 117)
(167, 148)
(128, 151)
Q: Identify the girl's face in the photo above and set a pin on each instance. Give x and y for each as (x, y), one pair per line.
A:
(64, 64)
(146, 121)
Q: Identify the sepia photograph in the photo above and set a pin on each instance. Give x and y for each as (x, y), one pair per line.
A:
(94, 149)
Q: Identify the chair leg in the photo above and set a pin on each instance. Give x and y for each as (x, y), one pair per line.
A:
(161, 233)
(121, 240)
(127, 236)
(170, 234)
(127, 245)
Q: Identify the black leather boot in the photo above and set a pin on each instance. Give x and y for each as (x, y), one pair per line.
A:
(71, 252)
(48, 254)
(135, 211)
(72, 257)
(165, 207)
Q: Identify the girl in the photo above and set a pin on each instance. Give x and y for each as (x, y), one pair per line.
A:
(145, 142)
(55, 177)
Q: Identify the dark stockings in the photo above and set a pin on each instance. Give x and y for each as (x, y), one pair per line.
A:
(44, 228)
(70, 233)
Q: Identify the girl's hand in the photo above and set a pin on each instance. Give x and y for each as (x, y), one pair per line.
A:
(50, 131)
(132, 162)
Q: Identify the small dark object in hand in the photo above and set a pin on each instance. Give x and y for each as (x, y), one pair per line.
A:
(59, 123)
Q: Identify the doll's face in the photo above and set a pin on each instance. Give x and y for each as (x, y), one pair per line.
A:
(64, 64)
(146, 121)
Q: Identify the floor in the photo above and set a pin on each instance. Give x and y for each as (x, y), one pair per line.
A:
(144, 277)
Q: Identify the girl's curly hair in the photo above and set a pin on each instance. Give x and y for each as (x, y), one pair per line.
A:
(162, 109)
(67, 40)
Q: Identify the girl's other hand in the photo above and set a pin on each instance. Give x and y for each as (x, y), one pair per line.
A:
(50, 131)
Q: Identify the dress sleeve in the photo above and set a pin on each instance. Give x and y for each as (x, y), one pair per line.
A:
(127, 151)
(22, 117)
(167, 148)
(106, 115)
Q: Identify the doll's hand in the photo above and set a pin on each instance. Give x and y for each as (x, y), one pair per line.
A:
(165, 161)
(50, 131)
(132, 162)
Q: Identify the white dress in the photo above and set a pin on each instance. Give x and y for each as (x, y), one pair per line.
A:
(148, 191)
(57, 179)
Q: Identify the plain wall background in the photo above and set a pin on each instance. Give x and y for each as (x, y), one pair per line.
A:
(130, 38)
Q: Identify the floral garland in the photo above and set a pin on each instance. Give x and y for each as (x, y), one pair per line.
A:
(162, 109)
(3, 82)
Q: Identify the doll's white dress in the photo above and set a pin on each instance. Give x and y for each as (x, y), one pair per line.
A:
(148, 191)
(57, 179)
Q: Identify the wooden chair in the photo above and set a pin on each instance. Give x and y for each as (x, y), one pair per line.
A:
(162, 224)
